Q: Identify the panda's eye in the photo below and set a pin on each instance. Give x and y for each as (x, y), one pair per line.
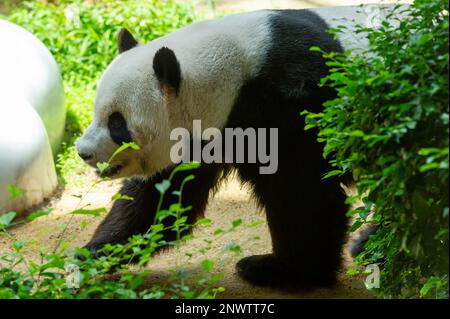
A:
(116, 121)
(118, 129)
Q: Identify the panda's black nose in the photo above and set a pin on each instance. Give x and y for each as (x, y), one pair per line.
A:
(85, 156)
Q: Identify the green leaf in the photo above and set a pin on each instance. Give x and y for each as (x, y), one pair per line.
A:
(124, 147)
(309, 126)
(332, 173)
(14, 191)
(428, 167)
(19, 244)
(256, 223)
(93, 212)
(6, 219)
(180, 221)
(187, 237)
(315, 49)
(428, 151)
(163, 213)
(425, 38)
(102, 166)
(431, 283)
(353, 272)
(203, 221)
(163, 186)
(233, 247)
(207, 265)
(219, 289)
(175, 207)
(38, 214)
(120, 196)
(186, 167)
(445, 212)
(357, 133)
(135, 282)
(235, 223)
(358, 223)
(188, 178)
(155, 228)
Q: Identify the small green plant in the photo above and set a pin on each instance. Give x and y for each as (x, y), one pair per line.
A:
(389, 127)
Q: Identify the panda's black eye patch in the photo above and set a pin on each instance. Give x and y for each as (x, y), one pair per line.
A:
(118, 129)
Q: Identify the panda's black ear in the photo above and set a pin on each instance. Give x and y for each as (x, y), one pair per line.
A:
(167, 68)
(125, 40)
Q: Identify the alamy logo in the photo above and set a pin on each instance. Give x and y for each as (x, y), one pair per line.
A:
(239, 145)
(73, 277)
(373, 277)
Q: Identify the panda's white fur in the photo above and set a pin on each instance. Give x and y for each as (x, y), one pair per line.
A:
(216, 57)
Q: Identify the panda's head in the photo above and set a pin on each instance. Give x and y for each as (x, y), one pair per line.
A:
(131, 105)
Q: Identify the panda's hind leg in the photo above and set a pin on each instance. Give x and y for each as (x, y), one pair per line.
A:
(307, 223)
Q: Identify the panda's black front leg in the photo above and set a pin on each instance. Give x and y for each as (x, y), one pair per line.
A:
(129, 217)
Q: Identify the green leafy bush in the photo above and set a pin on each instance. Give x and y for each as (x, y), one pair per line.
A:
(81, 36)
(389, 126)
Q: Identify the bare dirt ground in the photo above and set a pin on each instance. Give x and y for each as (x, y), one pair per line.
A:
(230, 203)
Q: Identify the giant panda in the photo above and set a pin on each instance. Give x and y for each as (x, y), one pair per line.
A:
(248, 70)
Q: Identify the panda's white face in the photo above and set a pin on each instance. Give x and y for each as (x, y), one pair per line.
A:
(128, 108)
(193, 73)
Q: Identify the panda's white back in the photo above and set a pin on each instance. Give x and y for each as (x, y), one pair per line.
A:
(246, 36)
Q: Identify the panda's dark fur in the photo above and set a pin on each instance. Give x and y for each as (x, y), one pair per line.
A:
(305, 214)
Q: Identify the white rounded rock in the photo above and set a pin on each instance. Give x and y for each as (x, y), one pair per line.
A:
(25, 156)
(32, 118)
(28, 70)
